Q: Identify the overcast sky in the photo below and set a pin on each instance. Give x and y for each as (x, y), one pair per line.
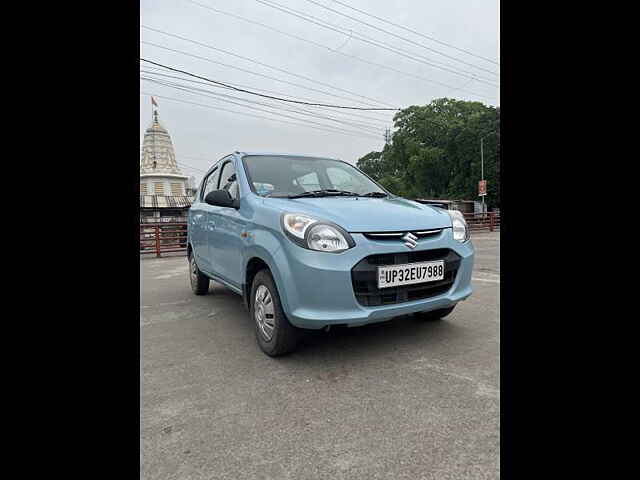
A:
(202, 135)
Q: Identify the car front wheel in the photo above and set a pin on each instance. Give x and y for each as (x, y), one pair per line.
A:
(275, 335)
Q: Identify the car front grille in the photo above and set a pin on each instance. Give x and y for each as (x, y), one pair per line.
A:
(364, 277)
(398, 235)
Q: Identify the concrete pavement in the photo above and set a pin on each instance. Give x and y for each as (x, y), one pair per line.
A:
(397, 400)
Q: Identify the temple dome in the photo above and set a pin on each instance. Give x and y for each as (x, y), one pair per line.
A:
(158, 155)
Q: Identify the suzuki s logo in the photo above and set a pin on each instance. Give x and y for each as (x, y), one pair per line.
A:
(410, 240)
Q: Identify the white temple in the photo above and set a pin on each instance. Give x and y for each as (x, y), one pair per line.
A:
(163, 187)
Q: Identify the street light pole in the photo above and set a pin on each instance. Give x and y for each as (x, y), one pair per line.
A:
(482, 169)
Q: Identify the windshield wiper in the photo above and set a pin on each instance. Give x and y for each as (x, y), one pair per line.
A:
(375, 194)
(324, 193)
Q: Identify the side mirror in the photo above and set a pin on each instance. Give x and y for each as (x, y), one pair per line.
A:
(220, 198)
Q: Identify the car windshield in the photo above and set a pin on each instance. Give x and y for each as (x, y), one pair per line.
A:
(284, 176)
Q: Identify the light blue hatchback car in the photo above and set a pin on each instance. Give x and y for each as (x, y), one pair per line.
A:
(313, 242)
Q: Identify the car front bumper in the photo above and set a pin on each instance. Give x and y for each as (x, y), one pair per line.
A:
(316, 288)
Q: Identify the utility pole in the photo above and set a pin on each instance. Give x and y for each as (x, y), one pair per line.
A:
(482, 169)
(387, 141)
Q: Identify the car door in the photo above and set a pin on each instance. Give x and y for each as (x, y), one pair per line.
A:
(201, 221)
(225, 242)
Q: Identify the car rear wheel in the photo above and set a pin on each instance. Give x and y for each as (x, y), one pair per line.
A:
(275, 335)
(199, 282)
(435, 314)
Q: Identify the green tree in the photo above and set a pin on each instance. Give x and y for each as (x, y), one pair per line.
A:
(435, 152)
(371, 164)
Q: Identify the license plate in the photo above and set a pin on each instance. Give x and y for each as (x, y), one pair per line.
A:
(410, 273)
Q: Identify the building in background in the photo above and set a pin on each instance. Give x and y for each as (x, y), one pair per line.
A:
(165, 194)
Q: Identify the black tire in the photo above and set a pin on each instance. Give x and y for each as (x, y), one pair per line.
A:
(284, 336)
(434, 314)
(199, 281)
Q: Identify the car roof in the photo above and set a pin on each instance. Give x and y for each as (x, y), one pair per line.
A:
(276, 154)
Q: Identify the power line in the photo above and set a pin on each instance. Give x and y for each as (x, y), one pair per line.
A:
(209, 161)
(264, 64)
(196, 91)
(336, 50)
(308, 123)
(181, 163)
(244, 70)
(398, 36)
(198, 158)
(262, 95)
(293, 74)
(361, 130)
(371, 128)
(328, 129)
(259, 89)
(361, 37)
(381, 124)
(190, 90)
(414, 32)
(190, 170)
(191, 167)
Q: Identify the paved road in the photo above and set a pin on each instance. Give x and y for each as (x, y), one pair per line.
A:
(395, 400)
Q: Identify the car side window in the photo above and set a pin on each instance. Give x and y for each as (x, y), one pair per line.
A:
(210, 183)
(228, 180)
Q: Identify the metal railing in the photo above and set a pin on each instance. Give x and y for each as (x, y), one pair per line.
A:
(483, 221)
(162, 238)
(163, 219)
(159, 238)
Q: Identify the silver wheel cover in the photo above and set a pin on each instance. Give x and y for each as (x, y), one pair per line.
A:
(264, 313)
(193, 271)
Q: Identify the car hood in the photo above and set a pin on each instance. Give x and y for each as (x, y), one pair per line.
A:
(361, 214)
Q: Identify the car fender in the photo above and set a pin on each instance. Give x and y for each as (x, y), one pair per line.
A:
(266, 246)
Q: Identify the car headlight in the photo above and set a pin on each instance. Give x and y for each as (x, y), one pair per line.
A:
(461, 231)
(314, 234)
(297, 224)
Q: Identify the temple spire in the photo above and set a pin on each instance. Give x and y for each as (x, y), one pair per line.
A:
(158, 155)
